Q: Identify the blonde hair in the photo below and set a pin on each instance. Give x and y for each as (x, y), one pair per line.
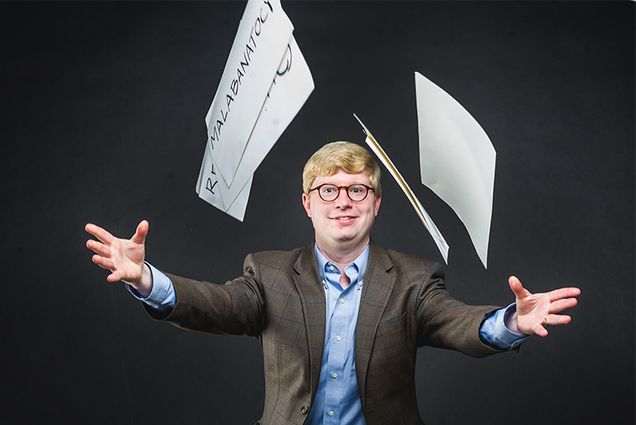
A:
(346, 156)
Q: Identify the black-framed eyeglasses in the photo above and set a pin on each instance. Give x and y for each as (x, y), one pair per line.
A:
(330, 192)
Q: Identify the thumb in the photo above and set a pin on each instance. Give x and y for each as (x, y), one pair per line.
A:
(141, 232)
(516, 287)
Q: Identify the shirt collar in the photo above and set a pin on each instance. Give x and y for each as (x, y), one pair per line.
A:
(360, 262)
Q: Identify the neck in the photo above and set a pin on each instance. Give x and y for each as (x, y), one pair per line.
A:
(342, 255)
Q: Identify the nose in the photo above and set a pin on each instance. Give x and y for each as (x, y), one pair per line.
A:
(342, 200)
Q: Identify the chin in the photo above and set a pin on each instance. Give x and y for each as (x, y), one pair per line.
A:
(346, 237)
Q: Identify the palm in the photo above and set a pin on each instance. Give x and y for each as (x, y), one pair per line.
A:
(532, 310)
(128, 259)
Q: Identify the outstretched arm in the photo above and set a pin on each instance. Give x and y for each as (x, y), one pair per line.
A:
(123, 257)
(537, 311)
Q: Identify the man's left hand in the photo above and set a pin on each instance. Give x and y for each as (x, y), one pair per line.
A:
(537, 311)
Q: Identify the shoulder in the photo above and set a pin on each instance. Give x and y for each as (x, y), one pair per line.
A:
(277, 259)
(406, 263)
(410, 273)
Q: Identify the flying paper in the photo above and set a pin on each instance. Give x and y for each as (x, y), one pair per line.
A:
(457, 160)
(261, 40)
(240, 139)
(419, 209)
(209, 188)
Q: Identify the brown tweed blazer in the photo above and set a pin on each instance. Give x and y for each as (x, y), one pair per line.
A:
(280, 300)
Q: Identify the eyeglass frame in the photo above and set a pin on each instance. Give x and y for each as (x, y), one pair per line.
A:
(346, 191)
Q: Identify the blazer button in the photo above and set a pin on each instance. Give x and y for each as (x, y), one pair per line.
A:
(304, 410)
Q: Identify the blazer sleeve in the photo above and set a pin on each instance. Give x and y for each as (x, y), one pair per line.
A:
(445, 322)
(234, 308)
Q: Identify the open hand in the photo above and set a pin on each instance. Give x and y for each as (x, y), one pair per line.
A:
(123, 257)
(537, 311)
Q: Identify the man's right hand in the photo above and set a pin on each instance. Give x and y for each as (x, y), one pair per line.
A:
(123, 257)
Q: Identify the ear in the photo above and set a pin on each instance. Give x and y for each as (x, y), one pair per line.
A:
(376, 204)
(307, 204)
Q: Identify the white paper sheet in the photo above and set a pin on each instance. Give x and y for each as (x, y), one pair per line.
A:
(417, 205)
(288, 90)
(209, 186)
(457, 160)
(261, 41)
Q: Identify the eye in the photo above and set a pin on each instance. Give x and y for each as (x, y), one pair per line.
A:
(357, 189)
(328, 189)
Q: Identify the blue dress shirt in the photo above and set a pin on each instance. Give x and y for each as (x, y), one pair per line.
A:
(337, 399)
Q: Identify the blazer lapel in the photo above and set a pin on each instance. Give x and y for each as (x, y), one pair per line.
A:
(312, 298)
(377, 288)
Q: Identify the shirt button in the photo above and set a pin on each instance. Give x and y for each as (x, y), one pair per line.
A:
(331, 413)
(341, 301)
(338, 337)
(334, 375)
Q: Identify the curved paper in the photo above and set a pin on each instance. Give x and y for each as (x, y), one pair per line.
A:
(457, 160)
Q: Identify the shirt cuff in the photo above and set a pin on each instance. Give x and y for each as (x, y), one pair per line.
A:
(162, 296)
(495, 332)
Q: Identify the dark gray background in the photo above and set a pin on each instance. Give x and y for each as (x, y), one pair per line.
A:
(102, 121)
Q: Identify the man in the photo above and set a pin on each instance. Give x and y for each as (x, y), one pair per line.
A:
(339, 321)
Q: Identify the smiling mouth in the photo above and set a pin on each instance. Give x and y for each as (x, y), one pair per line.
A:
(343, 218)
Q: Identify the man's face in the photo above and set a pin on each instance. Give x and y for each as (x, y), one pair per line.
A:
(342, 223)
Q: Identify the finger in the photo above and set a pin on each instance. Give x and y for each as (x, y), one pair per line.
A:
(99, 233)
(141, 232)
(518, 289)
(113, 277)
(102, 262)
(98, 248)
(558, 319)
(557, 294)
(564, 304)
(540, 330)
